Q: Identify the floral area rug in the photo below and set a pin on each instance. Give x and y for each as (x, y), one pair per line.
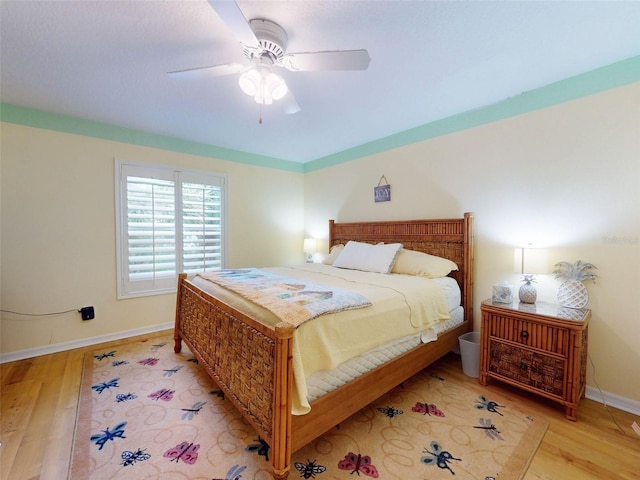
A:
(148, 413)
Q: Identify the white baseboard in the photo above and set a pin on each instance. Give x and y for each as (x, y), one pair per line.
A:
(613, 400)
(85, 342)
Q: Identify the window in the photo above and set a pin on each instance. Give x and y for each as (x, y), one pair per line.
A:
(168, 221)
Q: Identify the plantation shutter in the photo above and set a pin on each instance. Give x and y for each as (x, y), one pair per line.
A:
(202, 224)
(170, 222)
(151, 226)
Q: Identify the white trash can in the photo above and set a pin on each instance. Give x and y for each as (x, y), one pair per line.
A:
(470, 353)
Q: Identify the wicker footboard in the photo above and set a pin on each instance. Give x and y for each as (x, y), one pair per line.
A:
(250, 361)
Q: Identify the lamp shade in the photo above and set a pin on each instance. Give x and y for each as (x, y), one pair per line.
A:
(250, 82)
(310, 245)
(530, 260)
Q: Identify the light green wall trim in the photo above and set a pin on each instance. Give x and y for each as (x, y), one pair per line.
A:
(62, 123)
(601, 79)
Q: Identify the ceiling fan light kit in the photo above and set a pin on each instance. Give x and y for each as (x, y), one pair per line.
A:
(259, 81)
(263, 85)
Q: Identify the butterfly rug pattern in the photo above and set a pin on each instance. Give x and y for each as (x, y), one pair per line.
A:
(148, 413)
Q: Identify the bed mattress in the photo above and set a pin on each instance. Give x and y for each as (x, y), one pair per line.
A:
(323, 382)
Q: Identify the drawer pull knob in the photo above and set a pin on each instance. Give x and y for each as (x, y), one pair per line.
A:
(524, 334)
(524, 366)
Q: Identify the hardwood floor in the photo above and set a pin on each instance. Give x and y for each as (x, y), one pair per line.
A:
(39, 399)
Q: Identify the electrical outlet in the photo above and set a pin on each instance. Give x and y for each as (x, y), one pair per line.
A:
(87, 313)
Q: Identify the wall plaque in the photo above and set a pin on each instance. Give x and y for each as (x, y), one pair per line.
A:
(382, 193)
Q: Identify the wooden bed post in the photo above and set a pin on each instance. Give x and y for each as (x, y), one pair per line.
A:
(467, 281)
(177, 346)
(332, 234)
(282, 403)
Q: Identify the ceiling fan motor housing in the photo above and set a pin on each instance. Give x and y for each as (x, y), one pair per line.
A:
(272, 38)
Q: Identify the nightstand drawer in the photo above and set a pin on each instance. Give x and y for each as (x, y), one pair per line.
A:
(528, 367)
(537, 335)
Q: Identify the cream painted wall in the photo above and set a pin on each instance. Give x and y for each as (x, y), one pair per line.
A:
(58, 232)
(566, 177)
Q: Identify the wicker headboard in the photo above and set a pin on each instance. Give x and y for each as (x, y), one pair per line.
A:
(450, 238)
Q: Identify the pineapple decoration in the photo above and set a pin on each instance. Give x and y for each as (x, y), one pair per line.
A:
(572, 292)
(527, 292)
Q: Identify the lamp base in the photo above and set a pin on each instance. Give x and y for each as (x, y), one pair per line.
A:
(528, 293)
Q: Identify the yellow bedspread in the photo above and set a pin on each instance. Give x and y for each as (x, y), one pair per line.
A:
(401, 305)
(291, 299)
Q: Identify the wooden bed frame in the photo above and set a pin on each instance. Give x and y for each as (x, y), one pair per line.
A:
(251, 361)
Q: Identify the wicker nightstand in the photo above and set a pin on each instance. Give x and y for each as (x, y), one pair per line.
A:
(538, 347)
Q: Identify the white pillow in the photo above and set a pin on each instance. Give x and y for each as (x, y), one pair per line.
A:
(369, 258)
(333, 254)
(410, 262)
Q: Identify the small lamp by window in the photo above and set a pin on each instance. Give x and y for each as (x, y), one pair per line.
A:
(529, 262)
(310, 248)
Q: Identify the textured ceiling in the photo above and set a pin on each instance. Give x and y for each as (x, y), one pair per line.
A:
(107, 61)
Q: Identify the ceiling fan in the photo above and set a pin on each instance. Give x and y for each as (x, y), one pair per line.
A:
(264, 44)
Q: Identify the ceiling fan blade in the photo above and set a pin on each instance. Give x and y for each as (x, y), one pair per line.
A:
(332, 60)
(210, 71)
(289, 104)
(233, 17)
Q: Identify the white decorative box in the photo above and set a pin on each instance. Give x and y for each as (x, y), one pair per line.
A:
(502, 294)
